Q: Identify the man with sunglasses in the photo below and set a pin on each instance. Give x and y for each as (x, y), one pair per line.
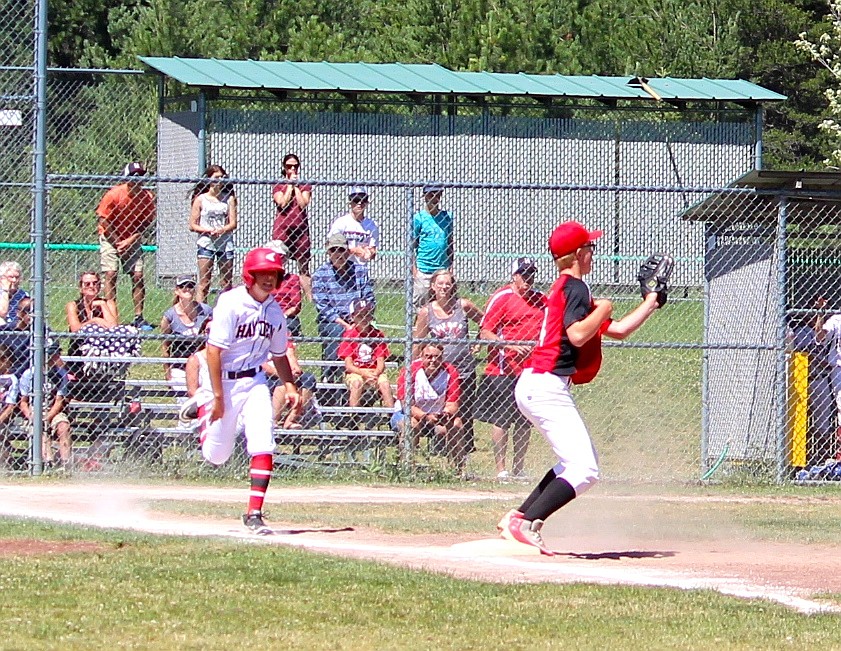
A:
(291, 223)
(335, 285)
(362, 234)
(513, 313)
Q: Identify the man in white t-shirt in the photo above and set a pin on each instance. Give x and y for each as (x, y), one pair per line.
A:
(248, 325)
(828, 334)
(363, 235)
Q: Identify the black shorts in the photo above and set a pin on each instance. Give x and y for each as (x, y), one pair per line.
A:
(495, 403)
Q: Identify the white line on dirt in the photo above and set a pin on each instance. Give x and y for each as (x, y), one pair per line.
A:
(121, 507)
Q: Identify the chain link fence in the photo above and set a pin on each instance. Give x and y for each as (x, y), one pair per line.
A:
(713, 386)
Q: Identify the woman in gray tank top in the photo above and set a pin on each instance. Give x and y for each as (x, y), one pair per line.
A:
(446, 317)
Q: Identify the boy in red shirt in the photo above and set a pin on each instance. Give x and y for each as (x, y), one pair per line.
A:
(364, 361)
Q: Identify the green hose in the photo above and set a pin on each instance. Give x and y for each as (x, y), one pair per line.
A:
(718, 462)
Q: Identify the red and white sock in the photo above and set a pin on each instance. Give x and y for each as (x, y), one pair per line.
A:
(261, 475)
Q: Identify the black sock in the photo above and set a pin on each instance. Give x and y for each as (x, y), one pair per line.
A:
(556, 495)
(547, 479)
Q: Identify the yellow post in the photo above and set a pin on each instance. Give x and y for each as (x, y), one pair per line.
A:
(798, 409)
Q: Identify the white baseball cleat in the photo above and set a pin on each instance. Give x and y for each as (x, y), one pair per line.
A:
(189, 411)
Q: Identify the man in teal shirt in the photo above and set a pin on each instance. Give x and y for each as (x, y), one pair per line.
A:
(432, 231)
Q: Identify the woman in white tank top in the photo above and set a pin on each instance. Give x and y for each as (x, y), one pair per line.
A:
(214, 217)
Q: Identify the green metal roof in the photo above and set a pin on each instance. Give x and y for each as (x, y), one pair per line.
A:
(435, 79)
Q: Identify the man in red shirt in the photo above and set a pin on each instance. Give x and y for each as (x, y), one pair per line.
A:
(291, 224)
(513, 313)
(125, 212)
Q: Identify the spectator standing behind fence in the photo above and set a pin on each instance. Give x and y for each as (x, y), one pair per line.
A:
(335, 285)
(365, 360)
(362, 234)
(185, 318)
(432, 234)
(435, 403)
(125, 212)
(213, 215)
(288, 294)
(56, 390)
(291, 223)
(446, 317)
(10, 292)
(828, 333)
(513, 313)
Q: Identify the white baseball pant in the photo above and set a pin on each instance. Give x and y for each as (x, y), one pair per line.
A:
(249, 397)
(545, 399)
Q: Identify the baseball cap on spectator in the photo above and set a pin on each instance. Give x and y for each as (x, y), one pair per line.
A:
(337, 240)
(358, 191)
(568, 237)
(134, 169)
(52, 347)
(360, 305)
(524, 266)
(185, 279)
(429, 188)
(278, 246)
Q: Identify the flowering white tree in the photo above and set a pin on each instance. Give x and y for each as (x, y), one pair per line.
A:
(827, 52)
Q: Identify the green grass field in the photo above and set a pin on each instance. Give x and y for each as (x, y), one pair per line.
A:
(144, 592)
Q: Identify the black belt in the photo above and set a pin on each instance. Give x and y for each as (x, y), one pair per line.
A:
(238, 375)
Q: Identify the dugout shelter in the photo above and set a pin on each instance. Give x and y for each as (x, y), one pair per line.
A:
(771, 248)
(515, 152)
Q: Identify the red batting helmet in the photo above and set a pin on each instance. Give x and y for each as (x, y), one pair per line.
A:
(261, 260)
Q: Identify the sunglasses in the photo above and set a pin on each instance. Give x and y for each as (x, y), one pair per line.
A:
(432, 357)
(292, 166)
(590, 245)
(189, 286)
(91, 283)
(359, 199)
(334, 249)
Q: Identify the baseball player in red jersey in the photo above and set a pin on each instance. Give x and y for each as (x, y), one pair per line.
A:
(248, 325)
(568, 352)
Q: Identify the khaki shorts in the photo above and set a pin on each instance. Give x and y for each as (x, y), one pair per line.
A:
(131, 261)
(57, 420)
(351, 377)
(420, 289)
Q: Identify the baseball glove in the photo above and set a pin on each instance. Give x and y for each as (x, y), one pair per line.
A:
(654, 276)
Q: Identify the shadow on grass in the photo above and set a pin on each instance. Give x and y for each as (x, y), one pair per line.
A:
(616, 556)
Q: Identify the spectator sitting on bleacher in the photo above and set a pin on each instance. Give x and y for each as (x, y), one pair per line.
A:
(335, 284)
(197, 378)
(9, 391)
(10, 292)
(18, 338)
(56, 388)
(90, 307)
(365, 361)
(434, 409)
(288, 295)
(185, 318)
(306, 414)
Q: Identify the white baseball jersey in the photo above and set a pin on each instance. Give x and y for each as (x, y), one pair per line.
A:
(832, 327)
(364, 233)
(246, 330)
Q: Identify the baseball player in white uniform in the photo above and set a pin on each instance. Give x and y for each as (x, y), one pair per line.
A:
(248, 326)
(568, 352)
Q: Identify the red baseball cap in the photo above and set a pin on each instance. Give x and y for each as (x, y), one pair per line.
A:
(568, 237)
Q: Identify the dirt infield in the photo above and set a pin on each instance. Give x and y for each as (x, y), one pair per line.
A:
(591, 547)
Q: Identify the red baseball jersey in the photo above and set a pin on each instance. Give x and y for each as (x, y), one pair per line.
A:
(514, 318)
(365, 355)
